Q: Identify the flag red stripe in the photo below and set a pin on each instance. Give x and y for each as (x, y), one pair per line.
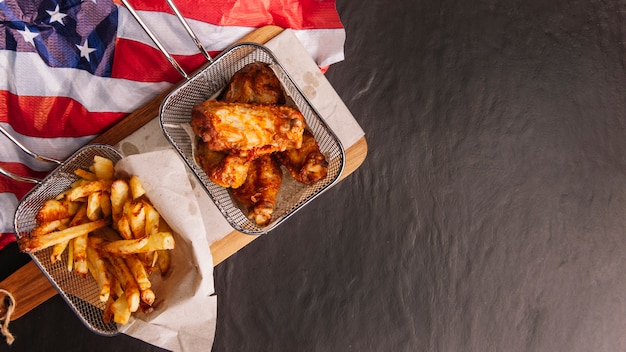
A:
(140, 62)
(6, 238)
(30, 115)
(16, 187)
(295, 14)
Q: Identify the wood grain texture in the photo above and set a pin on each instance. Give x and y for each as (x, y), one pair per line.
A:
(29, 285)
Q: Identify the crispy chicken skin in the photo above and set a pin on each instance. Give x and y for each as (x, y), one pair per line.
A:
(250, 129)
(247, 133)
(255, 83)
(259, 191)
(206, 158)
(306, 164)
(223, 169)
(230, 172)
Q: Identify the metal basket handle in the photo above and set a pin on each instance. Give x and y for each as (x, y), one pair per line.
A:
(158, 43)
(189, 31)
(26, 150)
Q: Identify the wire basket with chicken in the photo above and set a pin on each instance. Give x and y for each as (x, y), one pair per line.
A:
(247, 133)
(239, 121)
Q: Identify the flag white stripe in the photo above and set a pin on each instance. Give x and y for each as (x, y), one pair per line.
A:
(59, 148)
(28, 75)
(324, 45)
(173, 36)
(82, 86)
(7, 211)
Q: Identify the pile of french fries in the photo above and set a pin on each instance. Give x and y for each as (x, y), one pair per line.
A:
(108, 228)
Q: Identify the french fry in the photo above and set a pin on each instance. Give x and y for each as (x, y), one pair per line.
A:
(103, 168)
(86, 175)
(48, 227)
(61, 196)
(94, 211)
(84, 190)
(99, 272)
(164, 226)
(159, 241)
(57, 251)
(74, 207)
(80, 254)
(75, 184)
(116, 285)
(149, 260)
(152, 219)
(33, 244)
(147, 296)
(164, 261)
(52, 209)
(81, 215)
(139, 272)
(154, 242)
(136, 188)
(136, 215)
(121, 310)
(125, 247)
(108, 314)
(105, 204)
(141, 277)
(126, 279)
(119, 195)
(95, 241)
(70, 256)
(123, 226)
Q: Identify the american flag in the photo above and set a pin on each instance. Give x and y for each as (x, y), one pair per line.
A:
(73, 68)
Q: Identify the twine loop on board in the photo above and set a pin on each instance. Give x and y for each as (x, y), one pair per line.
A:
(6, 318)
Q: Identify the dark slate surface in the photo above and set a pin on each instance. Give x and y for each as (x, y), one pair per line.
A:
(488, 216)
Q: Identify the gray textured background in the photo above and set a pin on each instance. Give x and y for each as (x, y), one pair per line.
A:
(488, 215)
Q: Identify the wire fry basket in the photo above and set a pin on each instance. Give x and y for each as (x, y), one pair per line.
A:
(175, 115)
(80, 293)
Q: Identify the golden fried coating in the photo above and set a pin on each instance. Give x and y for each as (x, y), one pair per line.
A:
(255, 83)
(249, 129)
(306, 164)
(259, 191)
(230, 172)
(247, 133)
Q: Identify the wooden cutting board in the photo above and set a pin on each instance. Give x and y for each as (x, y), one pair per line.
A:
(30, 287)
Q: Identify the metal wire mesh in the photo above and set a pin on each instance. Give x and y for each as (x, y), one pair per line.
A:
(175, 115)
(80, 293)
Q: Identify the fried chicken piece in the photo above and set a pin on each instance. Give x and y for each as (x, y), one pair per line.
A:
(206, 158)
(248, 129)
(259, 191)
(231, 171)
(255, 83)
(223, 169)
(306, 164)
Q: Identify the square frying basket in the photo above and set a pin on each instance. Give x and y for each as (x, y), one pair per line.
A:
(80, 293)
(175, 117)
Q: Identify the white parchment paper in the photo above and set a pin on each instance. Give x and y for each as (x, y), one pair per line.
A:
(185, 312)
